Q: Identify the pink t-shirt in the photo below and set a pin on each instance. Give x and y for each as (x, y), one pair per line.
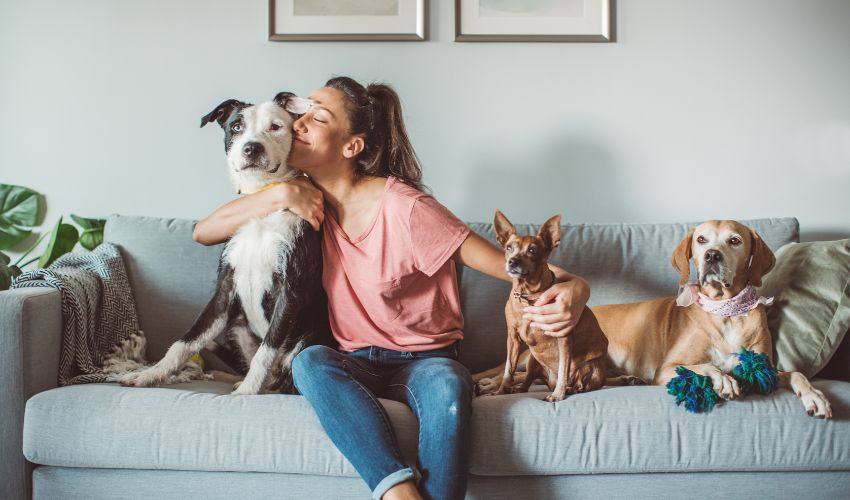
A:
(395, 286)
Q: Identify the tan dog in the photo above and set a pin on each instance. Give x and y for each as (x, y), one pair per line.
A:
(648, 340)
(571, 364)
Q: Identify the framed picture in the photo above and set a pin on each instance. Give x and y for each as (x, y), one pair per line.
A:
(312, 20)
(534, 20)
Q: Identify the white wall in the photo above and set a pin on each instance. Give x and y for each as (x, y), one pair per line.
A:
(702, 109)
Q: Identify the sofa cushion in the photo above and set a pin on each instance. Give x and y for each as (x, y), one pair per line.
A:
(191, 426)
(640, 429)
(198, 426)
(622, 262)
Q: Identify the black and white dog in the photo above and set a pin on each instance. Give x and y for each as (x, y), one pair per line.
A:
(269, 298)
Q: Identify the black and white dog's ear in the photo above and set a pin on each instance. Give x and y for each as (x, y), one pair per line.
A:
(222, 112)
(292, 103)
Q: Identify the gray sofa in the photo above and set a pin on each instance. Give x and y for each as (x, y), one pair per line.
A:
(195, 440)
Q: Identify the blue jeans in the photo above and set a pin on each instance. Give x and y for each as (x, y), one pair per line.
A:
(343, 389)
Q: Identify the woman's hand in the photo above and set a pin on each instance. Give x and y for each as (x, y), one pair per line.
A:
(303, 199)
(558, 310)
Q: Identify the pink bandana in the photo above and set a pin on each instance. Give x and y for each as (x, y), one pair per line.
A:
(738, 305)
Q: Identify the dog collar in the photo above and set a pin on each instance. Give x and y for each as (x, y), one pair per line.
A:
(263, 188)
(738, 305)
(529, 297)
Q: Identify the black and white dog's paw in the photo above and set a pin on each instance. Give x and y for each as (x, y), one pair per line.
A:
(147, 377)
(244, 389)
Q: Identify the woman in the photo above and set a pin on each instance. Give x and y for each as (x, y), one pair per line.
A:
(393, 304)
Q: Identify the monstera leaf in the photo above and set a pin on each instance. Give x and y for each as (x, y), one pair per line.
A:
(63, 238)
(7, 272)
(92, 234)
(20, 210)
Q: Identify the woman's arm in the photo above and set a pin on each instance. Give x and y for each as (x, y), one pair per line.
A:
(558, 309)
(298, 196)
(483, 256)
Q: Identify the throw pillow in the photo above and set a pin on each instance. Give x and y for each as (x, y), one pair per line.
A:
(811, 313)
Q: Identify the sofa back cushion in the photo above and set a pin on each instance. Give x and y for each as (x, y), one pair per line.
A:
(622, 262)
(173, 277)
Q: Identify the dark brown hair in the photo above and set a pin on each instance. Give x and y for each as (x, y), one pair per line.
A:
(375, 112)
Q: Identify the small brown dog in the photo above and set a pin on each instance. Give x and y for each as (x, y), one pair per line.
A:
(571, 364)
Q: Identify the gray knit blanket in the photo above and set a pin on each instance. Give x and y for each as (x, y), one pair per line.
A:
(101, 339)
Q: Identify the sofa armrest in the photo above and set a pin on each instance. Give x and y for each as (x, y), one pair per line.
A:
(30, 341)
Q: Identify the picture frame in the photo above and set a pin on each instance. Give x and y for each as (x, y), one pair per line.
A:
(352, 20)
(535, 20)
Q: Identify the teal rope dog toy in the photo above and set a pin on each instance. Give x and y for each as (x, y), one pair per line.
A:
(755, 373)
(692, 389)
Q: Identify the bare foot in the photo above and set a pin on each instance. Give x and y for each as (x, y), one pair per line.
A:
(403, 491)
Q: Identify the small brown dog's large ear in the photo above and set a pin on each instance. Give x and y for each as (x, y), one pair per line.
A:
(504, 228)
(550, 231)
(682, 258)
(762, 259)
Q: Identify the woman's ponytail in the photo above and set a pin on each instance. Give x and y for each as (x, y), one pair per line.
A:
(375, 111)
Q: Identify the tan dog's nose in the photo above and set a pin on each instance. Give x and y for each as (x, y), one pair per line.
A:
(713, 256)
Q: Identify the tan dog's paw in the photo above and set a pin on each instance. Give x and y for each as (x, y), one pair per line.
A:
(553, 398)
(625, 380)
(816, 404)
(519, 388)
(486, 386)
(725, 386)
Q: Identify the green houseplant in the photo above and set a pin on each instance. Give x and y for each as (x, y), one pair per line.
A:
(21, 213)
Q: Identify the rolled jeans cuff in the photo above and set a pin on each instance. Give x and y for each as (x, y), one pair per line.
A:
(393, 479)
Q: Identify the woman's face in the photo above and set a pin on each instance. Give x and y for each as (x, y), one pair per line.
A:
(320, 136)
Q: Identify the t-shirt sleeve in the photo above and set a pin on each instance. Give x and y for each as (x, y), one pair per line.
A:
(435, 234)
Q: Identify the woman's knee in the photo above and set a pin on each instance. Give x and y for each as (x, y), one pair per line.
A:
(456, 376)
(448, 384)
(312, 361)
